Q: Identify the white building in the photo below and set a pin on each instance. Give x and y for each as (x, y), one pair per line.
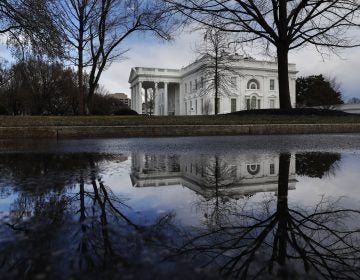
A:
(236, 176)
(179, 91)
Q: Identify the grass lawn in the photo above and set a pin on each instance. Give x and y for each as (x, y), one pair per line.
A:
(34, 121)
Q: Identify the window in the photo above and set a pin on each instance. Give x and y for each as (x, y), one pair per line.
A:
(253, 103)
(218, 104)
(272, 169)
(196, 84)
(185, 108)
(186, 89)
(272, 84)
(253, 84)
(272, 104)
(248, 107)
(191, 86)
(253, 169)
(202, 106)
(202, 82)
(233, 104)
(196, 107)
(259, 104)
(191, 108)
(233, 81)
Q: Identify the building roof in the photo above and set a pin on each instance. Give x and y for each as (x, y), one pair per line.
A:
(240, 62)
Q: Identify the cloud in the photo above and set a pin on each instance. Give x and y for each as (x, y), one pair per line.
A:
(344, 67)
(148, 52)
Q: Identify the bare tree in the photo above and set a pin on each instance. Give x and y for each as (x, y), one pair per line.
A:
(95, 30)
(30, 22)
(150, 102)
(218, 74)
(283, 24)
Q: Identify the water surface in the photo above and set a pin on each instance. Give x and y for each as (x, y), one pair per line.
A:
(268, 207)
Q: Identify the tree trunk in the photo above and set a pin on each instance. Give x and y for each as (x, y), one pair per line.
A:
(283, 72)
(80, 87)
(282, 210)
(282, 56)
(216, 83)
(89, 98)
(80, 47)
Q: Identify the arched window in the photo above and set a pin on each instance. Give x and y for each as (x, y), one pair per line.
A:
(253, 169)
(253, 84)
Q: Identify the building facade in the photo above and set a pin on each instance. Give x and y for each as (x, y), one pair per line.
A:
(123, 98)
(254, 85)
(232, 176)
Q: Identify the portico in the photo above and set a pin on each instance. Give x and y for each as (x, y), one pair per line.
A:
(160, 94)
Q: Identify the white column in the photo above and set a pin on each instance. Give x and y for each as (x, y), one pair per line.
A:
(135, 99)
(156, 99)
(136, 103)
(140, 98)
(141, 162)
(181, 99)
(265, 90)
(146, 100)
(166, 110)
(132, 98)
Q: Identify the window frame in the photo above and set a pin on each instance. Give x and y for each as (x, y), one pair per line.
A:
(272, 84)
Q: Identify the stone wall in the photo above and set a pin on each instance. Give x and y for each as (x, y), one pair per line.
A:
(174, 130)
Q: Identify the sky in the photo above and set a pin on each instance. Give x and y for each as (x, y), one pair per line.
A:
(146, 51)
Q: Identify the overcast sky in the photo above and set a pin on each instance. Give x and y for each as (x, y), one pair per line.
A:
(149, 52)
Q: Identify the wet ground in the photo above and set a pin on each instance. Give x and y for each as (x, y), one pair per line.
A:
(267, 207)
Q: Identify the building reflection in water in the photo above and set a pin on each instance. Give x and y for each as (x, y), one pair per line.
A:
(65, 222)
(231, 176)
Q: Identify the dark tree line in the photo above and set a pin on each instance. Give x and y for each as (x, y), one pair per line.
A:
(317, 91)
(42, 87)
(37, 87)
(88, 35)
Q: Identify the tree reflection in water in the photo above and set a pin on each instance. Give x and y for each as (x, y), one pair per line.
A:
(79, 230)
(217, 204)
(316, 164)
(67, 223)
(273, 239)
